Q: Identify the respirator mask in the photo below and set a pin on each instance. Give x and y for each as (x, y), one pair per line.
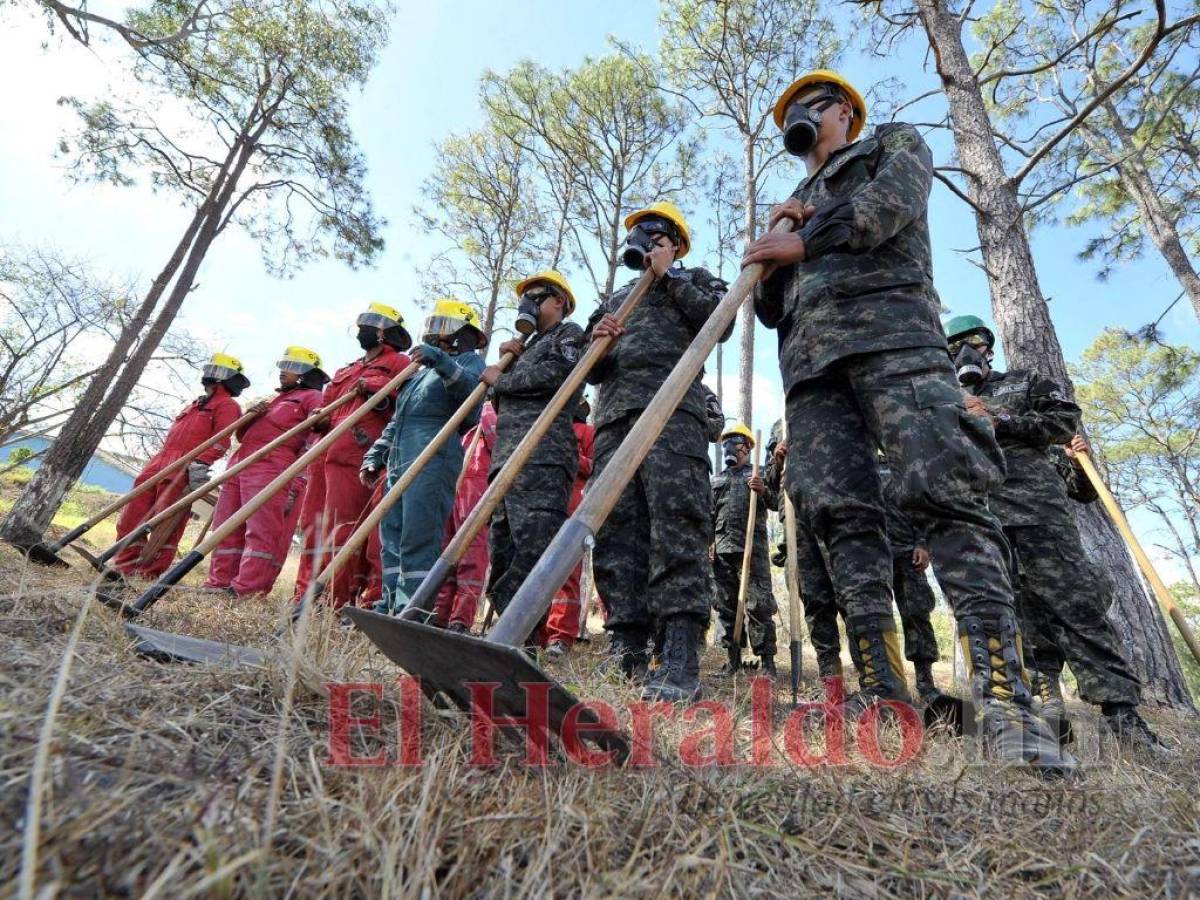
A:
(802, 123)
(530, 306)
(970, 361)
(640, 240)
(730, 449)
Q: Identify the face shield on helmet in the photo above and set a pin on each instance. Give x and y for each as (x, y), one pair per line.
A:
(217, 372)
(372, 319)
(454, 325)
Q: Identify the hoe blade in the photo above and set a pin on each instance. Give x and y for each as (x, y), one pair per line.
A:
(42, 555)
(165, 646)
(449, 663)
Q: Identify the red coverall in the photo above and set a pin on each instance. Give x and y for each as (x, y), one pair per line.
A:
(199, 421)
(562, 623)
(335, 499)
(458, 598)
(249, 559)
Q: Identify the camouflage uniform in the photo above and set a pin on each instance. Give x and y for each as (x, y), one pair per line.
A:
(1062, 602)
(536, 505)
(914, 596)
(651, 554)
(864, 364)
(820, 601)
(731, 510)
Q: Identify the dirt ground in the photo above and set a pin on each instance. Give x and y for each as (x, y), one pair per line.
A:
(158, 780)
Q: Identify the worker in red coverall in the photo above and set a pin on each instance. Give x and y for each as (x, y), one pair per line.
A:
(201, 419)
(458, 599)
(334, 499)
(248, 561)
(562, 623)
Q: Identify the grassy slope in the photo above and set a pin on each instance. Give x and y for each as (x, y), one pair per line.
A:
(160, 777)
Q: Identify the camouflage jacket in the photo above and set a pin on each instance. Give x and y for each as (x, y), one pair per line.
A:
(1079, 487)
(656, 335)
(521, 393)
(731, 512)
(867, 284)
(1031, 413)
(714, 415)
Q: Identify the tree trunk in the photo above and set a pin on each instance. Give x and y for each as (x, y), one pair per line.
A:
(1029, 339)
(106, 395)
(746, 362)
(1159, 224)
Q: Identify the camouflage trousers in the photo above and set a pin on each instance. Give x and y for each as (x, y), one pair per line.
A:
(651, 554)
(1063, 608)
(760, 602)
(915, 601)
(943, 462)
(821, 607)
(522, 527)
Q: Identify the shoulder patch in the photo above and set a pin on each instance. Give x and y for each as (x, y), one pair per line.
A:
(896, 139)
(569, 351)
(1017, 387)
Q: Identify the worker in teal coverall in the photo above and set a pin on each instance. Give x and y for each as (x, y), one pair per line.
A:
(411, 533)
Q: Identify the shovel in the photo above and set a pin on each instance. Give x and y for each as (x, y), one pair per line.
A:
(189, 561)
(792, 576)
(747, 552)
(448, 663)
(423, 598)
(350, 546)
(47, 554)
(185, 502)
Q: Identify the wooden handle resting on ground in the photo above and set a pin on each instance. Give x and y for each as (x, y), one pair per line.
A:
(1159, 587)
(422, 599)
(792, 572)
(533, 598)
(747, 549)
(403, 483)
(281, 481)
(185, 502)
(139, 489)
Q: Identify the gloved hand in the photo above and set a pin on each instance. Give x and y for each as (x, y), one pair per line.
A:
(198, 475)
(435, 358)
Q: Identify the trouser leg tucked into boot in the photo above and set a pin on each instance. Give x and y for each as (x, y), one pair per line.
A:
(732, 663)
(627, 652)
(1004, 715)
(678, 679)
(926, 688)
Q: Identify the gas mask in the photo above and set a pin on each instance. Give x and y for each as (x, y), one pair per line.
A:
(969, 365)
(530, 306)
(730, 449)
(640, 240)
(368, 337)
(802, 123)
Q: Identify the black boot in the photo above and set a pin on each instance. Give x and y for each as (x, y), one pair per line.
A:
(882, 675)
(733, 662)
(768, 667)
(1003, 713)
(678, 681)
(627, 653)
(1124, 723)
(927, 690)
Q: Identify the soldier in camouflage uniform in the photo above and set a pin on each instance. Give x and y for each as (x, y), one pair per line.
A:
(914, 596)
(731, 490)
(651, 555)
(1063, 603)
(864, 365)
(536, 505)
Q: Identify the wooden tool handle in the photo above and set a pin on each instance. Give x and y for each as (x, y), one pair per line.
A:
(747, 548)
(1161, 591)
(792, 572)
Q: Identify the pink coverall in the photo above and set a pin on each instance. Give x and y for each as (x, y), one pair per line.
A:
(562, 622)
(249, 559)
(458, 599)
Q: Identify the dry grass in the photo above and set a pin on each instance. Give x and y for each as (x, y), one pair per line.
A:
(159, 779)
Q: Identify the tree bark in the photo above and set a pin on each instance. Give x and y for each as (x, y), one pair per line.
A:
(1029, 340)
(746, 360)
(108, 392)
(1159, 225)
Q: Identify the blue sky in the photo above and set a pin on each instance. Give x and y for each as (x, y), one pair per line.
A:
(424, 88)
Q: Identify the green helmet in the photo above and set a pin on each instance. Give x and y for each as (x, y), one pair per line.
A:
(960, 325)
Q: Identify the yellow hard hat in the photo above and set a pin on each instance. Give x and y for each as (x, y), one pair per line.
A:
(222, 366)
(669, 211)
(379, 315)
(449, 315)
(299, 360)
(739, 429)
(824, 76)
(551, 277)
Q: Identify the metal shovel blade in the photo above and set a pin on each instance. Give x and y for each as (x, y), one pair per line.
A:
(42, 555)
(90, 558)
(165, 646)
(448, 663)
